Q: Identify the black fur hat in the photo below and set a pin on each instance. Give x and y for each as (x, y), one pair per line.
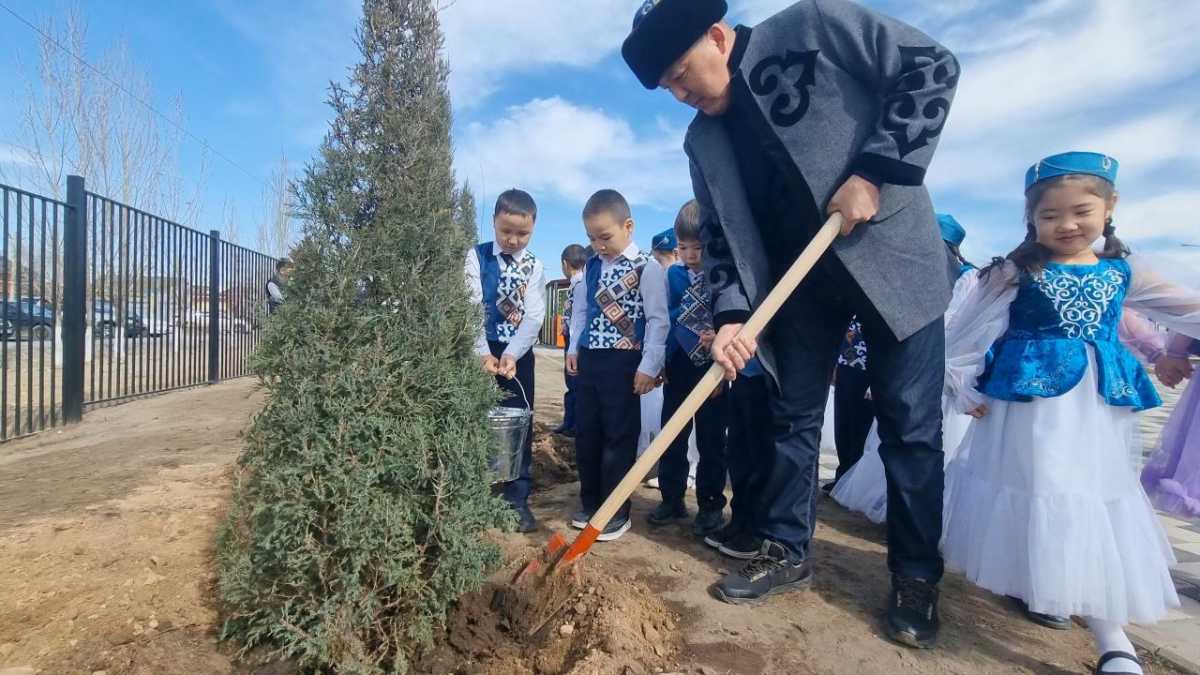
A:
(663, 30)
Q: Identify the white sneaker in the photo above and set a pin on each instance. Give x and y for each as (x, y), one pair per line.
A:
(614, 530)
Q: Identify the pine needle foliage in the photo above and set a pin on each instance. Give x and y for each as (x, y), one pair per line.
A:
(362, 495)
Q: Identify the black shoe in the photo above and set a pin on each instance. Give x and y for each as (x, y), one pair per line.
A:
(715, 539)
(666, 512)
(912, 617)
(527, 522)
(562, 429)
(828, 487)
(744, 546)
(708, 520)
(770, 572)
(569, 433)
(581, 518)
(1112, 656)
(615, 528)
(1047, 620)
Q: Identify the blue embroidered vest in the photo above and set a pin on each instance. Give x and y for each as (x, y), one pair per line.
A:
(503, 291)
(1055, 317)
(616, 317)
(690, 306)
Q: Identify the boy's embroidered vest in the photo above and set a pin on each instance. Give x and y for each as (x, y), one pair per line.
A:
(616, 317)
(1056, 316)
(503, 284)
(690, 305)
(854, 347)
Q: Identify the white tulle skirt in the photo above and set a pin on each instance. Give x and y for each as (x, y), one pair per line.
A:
(1041, 504)
(651, 408)
(864, 487)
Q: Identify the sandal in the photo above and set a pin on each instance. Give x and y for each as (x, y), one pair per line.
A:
(1109, 656)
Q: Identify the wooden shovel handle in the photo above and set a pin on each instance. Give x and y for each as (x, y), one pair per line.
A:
(752, 328)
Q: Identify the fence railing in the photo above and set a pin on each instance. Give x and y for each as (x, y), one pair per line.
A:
(104, 302)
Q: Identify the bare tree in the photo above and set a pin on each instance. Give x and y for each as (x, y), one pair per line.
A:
(277, 229)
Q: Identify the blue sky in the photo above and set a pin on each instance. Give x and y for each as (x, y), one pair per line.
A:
(543, 101)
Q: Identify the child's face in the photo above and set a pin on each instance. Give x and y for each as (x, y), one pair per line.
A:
(608, 236)
(665, 258)
(1069, 219)
(512, 231)
(690, 253)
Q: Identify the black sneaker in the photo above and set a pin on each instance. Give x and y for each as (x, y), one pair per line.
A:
(666, 512)
(708, 520)
(581, 518)
(615, 528)
(770, 572)
(744, 546)
(715, 539)
(912, 616)
(527, 522)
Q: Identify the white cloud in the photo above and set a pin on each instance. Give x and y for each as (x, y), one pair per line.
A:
(552, 145)
(1173, 216)
(487, 41)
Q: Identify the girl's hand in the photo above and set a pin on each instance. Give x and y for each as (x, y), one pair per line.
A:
(1171, 370)
(979, 412)
(491, 365)
(573, 364)
(643, 383)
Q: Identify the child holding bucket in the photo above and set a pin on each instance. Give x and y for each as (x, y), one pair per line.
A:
(508, 281)
(609, 325)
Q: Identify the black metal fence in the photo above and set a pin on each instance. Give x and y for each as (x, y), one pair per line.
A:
(104, 302)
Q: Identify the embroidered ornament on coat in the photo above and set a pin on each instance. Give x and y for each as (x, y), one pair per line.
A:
(510, 292)
(620, 301)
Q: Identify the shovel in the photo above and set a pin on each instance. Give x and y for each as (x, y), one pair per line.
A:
(557, 556)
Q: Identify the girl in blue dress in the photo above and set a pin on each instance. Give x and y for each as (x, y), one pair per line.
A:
(1041, 502)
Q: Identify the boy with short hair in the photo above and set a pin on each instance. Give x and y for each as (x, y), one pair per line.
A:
(508, 281)
(615, 351)
(687, 359)
(574, 258)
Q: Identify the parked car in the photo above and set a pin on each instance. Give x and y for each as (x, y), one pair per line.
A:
(104, 322)
(6, 329)
(199, 319)
(27, 318)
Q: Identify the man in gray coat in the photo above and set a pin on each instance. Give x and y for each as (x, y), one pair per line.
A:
(824, 107)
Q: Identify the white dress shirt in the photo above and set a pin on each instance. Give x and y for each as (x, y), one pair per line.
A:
(653, 287)
(534, 302)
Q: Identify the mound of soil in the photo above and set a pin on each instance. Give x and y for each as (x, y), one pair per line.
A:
(587, 622)
(553, 457)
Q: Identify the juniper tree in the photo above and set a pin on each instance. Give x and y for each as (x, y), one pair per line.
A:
(362, 494)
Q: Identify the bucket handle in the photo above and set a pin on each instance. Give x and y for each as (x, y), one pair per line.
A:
(522, 388)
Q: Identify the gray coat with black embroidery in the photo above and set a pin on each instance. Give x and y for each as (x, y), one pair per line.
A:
(843, 89)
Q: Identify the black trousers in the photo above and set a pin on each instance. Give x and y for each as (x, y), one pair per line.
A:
(568, 396)
(749, 447)
(517, 492)
(608, 419)
(906, 385)
(853, 414)
(682, 376)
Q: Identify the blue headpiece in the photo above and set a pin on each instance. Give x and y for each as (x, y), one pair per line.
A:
(1088, 163)
(952, 232)
(664, 241)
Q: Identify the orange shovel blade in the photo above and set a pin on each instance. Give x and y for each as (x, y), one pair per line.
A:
(549, 554)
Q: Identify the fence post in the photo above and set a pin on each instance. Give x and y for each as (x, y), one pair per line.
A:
(214, 308)
(74, 298)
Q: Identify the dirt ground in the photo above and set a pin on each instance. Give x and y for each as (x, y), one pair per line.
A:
(106, 532)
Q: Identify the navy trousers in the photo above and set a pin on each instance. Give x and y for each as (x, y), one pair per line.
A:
(906, 380)
(681, 377)
(853, 414)
(568, 397)
(749, 447)
(516, 492)
(608, 419)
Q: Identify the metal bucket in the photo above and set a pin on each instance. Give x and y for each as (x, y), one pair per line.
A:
(511, 426)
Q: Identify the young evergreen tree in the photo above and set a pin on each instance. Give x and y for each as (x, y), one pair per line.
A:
(362, 494)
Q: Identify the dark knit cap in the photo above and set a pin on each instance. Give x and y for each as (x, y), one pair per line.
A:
(663, 30)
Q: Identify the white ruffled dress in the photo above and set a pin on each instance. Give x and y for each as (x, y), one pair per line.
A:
(1041, 502)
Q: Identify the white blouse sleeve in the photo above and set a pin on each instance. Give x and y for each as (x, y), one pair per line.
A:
(579, 316)
(980, 317)
(1170, 304)
(962, 288)
(475, 291)
(658, 319)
